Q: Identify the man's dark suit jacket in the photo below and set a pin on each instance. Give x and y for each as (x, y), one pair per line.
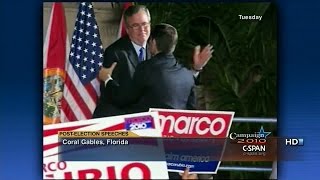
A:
(122, 52)
(157, 83)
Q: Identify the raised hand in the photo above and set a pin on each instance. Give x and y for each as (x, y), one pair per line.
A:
(200, 59)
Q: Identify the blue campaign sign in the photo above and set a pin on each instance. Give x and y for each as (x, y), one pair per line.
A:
(199, 155)
(195, 167)
(136, 123)
(195, 126)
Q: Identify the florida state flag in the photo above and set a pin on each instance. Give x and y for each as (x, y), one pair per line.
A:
(54, 57)
(122, 27)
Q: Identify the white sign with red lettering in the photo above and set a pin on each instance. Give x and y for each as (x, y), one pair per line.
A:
(193, 124)
(55, 169)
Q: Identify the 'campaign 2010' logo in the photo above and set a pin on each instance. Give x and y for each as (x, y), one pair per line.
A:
(137, 123)
(252, 143)
(260, 134)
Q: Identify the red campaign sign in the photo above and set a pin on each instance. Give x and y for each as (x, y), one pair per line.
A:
(55, 169)
(194, 124)
(107, 172)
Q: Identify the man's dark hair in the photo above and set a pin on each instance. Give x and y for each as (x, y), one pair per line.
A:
(131, 10)
(166, 37)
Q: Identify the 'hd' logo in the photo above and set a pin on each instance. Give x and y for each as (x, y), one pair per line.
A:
(294, 142)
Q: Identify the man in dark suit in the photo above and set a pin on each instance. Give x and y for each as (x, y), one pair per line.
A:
(159, 82)
(129, 51)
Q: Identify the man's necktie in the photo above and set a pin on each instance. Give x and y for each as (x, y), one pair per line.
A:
(141, 55)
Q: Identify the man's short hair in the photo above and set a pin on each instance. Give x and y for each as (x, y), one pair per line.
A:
(166, 37)
(131, 10)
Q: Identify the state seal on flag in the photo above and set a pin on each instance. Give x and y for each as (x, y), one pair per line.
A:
(53, 81)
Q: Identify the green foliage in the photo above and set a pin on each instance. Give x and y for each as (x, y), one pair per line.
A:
(242, 75)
